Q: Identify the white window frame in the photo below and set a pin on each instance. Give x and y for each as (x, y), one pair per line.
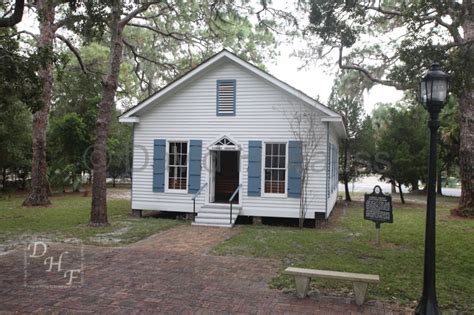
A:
(264, 151)
(172, 190)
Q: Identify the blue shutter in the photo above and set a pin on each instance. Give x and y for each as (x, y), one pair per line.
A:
(159, 152)
(255, 168)
(195, 155)
(295, 163)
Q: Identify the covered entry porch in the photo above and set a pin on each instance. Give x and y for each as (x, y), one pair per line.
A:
(223, 201)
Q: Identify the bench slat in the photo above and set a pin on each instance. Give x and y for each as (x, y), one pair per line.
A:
(327, 274)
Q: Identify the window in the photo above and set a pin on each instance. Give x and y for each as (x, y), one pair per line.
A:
(178, 165)
(275, 168)
(226, 97)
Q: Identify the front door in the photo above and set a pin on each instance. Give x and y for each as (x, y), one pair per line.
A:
(225, 174)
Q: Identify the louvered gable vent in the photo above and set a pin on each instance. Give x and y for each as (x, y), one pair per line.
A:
(226, 97)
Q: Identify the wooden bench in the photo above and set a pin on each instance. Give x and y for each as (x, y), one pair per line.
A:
(359, 280)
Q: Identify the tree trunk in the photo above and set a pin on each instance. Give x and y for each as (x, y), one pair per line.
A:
(38, 195)
(466, 150)
(346, 188)
(113, 182)
(402, 199)
(466, 104)
(346, 171)
(394, 188)
(99, 155)
(415, 186)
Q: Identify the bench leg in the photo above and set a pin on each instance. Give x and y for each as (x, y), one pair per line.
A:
(302, 284)
(360, 288)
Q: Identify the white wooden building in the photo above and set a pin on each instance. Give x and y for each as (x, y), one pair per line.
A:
(227, 127)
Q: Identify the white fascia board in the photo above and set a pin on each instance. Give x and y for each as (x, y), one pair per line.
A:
(129, 120)
(332, 119)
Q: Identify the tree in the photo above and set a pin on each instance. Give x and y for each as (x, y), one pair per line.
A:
(197, 20)
(417, 33)
(19, 86)
(38, 195)
(346, 99)
(365, 155)
(73, 116)
(69, 139)
(52, 16)
(405, 146)
(449, 140)
(304, 125)
(120, 151)
(15, 140)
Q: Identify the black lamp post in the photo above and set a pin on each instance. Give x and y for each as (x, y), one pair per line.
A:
(434, 88)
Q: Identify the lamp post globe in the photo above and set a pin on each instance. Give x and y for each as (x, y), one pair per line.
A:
(434, 89)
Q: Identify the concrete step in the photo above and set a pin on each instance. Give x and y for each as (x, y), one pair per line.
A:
(218, 221)
(221, 206)
(218, 211)
(212, 225)
(217, 215)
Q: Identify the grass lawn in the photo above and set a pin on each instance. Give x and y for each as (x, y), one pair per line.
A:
(347, 245)
(66, 220)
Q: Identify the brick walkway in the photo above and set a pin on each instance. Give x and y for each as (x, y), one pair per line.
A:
(170, 272)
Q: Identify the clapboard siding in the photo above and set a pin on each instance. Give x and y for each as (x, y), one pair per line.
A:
(190, 113)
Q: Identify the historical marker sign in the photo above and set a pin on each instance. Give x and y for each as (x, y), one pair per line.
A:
(378, 206)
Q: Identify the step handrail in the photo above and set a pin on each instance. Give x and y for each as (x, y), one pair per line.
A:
(231, 199)
(194, 200)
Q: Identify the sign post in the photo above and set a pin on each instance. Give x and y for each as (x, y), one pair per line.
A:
(378, 208)
(377, 233)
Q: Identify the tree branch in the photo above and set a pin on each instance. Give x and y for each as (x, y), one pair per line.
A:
(138, 55)
(428, 16)
(75, 51)
(174, 35)
(135, 12)
(367, 74)
(66, 20)
(35, 36)
(16, 17)
(383, 11)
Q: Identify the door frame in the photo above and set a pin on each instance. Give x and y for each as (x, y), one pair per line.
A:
(212, 172)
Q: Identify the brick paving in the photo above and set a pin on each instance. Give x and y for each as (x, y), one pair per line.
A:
(170, 272)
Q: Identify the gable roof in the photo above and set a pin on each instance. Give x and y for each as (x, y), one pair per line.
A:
(127, 116)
